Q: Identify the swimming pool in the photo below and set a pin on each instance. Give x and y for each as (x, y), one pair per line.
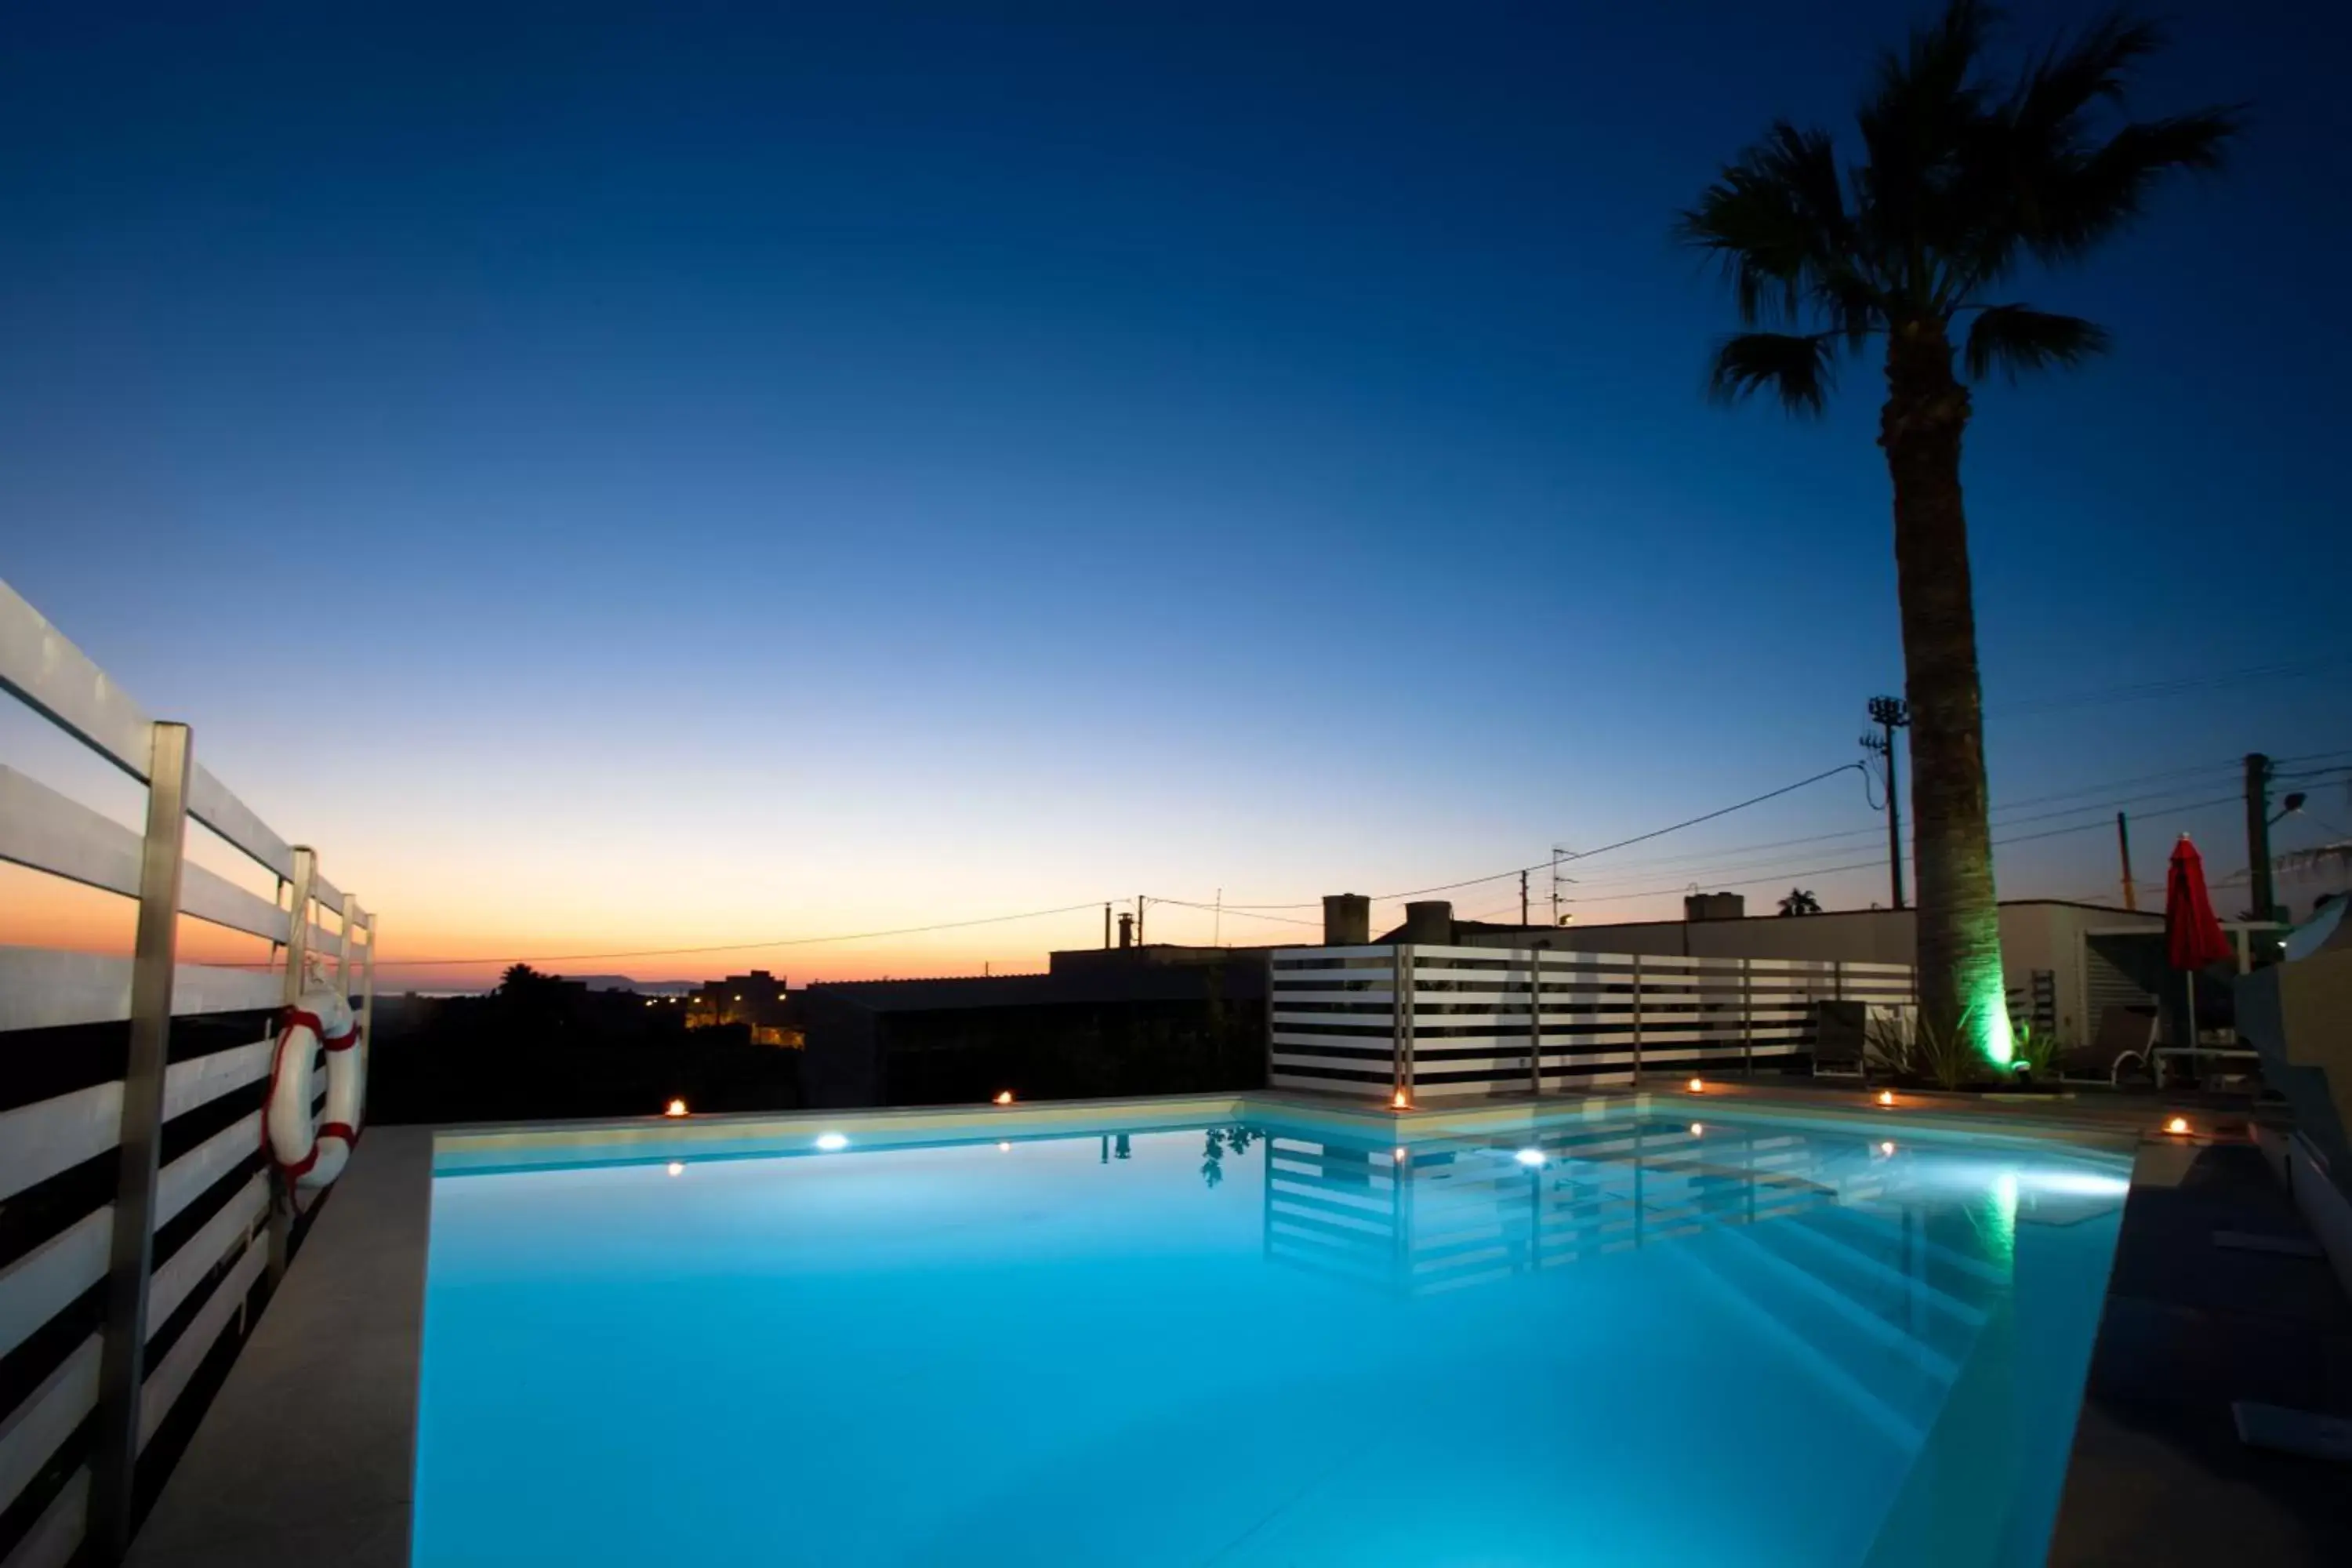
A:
(1621, 1340)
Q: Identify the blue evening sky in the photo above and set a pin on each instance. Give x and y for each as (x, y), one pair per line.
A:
(671, 474)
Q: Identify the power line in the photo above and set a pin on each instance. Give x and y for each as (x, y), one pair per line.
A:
(1726, 864)
(2003, 813)
(1700, 860)
(1727, 811)
(1874, 864)
(743, 946)
(2201, 770)
(1231, 910)
(2142, 690)
(2312, 757)
(1588, 854)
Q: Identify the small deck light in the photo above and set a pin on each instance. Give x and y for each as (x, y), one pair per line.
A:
(1698, 1129)
(676, 1168)
(1400, 1100)
(1529, 1156)
(2178, 1126)
(1885, 1096)
(1398, 1153)
(1004, 1148)
(1698, 1086)
(832, 1143)
(674, 1108)
(1886, 1149)
(1004, 1097)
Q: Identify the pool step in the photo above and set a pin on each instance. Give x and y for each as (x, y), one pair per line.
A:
(1870, 1274)
(1951, 1260)
(1863, 1324)
(1906, 1430)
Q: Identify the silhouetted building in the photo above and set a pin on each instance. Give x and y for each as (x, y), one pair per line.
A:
(1156, 1019)
(757, 1000)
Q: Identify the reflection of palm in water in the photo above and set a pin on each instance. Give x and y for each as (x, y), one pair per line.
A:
(1212, 1155)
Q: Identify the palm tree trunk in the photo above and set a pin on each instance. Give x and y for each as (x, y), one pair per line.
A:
(1927, 410)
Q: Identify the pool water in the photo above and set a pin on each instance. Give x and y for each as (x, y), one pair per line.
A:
(1632, 1341)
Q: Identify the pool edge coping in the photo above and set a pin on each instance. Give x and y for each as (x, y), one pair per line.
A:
(245, 1494)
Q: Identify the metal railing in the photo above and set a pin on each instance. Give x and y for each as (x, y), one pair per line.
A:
(1450, 1022)
(139, 1215)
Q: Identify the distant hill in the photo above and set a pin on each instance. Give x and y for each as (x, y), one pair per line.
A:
(642, 987)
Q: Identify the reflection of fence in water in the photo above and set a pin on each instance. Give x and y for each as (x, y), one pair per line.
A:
(1880, 1297)
(1440, 1217)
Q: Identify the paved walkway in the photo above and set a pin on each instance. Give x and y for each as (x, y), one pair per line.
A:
(2158, 1475)
(305, 1454)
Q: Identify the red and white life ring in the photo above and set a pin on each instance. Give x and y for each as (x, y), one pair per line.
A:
(312, 1155)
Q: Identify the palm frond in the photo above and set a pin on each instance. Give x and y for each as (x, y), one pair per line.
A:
(1800, 369)
(1915, 125)
(1776, 221)
(1940, 59)
(2069, 79)
(2015, 339)
(2067, 204)
(2023, 154)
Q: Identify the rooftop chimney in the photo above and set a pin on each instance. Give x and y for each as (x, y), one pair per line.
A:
(1347, 920)
(1430, 922)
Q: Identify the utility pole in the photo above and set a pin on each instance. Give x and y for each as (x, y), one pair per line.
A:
(1555, 853)
(1106, 925)
(2123, 852)
(2257, 835)
(1890, 714)
(1523, 897)
(2258, 832)
(1139, 901)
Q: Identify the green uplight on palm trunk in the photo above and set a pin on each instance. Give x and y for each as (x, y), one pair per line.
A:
(1997, 1043)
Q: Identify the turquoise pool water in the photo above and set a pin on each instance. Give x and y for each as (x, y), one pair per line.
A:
(1634, 1342)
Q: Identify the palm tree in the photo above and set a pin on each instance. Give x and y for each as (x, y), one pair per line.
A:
(1800, 902)
(1963, 181)
(519, 979)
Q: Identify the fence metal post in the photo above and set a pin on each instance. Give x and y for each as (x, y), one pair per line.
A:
(1747, 1019)
(1412, 1025)
(343, 948)
(367, 1016)
(1269, 995)
(298, 922)
(1837, 994)
(1637, 1021)
(123, 1361)
(298, 954)
(1401, 1016)
(1535, 1022)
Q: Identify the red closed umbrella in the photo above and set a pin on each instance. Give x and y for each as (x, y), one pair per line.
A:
(2193, 938)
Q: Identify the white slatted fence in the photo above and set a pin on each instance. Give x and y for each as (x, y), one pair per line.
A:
(1453, 1023)
(102, 1338)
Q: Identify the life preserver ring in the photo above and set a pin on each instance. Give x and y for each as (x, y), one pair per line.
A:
(311, 1154)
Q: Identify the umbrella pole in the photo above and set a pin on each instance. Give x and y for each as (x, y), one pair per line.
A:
(2190, 976)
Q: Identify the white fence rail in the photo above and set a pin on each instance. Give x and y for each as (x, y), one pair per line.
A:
(1453, 1023)
(138, 1215)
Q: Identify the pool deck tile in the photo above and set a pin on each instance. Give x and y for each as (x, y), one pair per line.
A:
(2158, 1476)
(305, 1454)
